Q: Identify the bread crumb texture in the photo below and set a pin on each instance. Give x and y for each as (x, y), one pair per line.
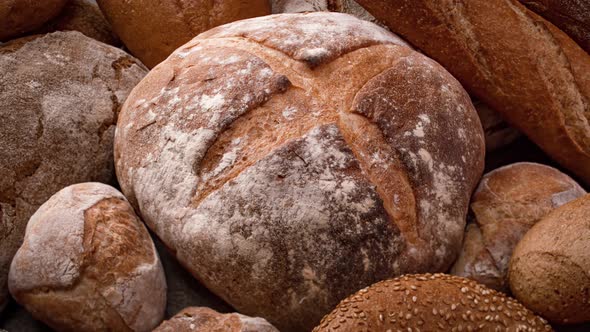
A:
(87, 263)
(284, 177)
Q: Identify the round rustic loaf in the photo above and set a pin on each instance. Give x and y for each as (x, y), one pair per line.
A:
(292, 159)
(549, 268)
(20, 16)
(87, 263)
(571, 16)
(507, 203)
(83, 16)
(152, 29)
(201, 319)
(515, 61)
(60, 95)
(430, 303)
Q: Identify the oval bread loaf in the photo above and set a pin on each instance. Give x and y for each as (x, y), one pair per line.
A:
(293, 159)
(201, 319)
(521, 65)
(152, 29)
(21, 16)
(87, 263)
(60, 96)
(506, 204)
(430, 303)
(549, 270)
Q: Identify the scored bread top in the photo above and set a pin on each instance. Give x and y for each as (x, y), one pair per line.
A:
(283, 155)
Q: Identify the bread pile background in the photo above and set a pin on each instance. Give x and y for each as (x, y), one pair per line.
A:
(294, 165)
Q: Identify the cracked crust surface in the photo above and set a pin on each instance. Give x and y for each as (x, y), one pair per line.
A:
(513, 60)
(285, 178)
(60, 95)
(201, 319)
(506, 204)
(21, 16)
(550, 268)
(153, 29)
(87, 263)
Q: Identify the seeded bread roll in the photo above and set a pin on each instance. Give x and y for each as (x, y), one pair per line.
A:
(152, 29)
(571, 16)
(83, 16)
(60, 95)
(21, 16)
(515, 61)
(87, 263)
(430, 303)
(549, 268)
(507, 203)
(201, 319)
(292, 159)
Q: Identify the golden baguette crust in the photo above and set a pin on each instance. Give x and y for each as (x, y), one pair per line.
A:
(153, 29)
(506, 204)
(549, 270)
(429, 302)
(512, 59)
(285, 177)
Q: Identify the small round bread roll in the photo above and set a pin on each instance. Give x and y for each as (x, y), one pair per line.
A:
(292, 159)
(60, 96)
(202, 319)
(83, 16)
(152, 29)
(506, 204)
(20, 16)
(550, 268)
(428, 302)
(87, 263)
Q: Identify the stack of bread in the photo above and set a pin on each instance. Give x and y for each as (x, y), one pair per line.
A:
(294, 165)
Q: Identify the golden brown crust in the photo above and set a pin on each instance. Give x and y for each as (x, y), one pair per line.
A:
(571, 16)
(21, 16)
(430, 303)
(549, 270)
(178, 21)
(83, 16)
(87, 263)
(201, 319)
(507, 203)
(512, 59)
(260, 145)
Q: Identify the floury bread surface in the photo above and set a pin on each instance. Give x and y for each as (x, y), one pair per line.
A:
(60, 95)
(201, 319)
(293, 159)
(88, 264)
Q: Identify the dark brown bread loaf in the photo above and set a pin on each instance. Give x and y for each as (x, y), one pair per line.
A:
(430, 303)
(571, 16)
(60, 95)
(549, 270)
(87, 263)
(513, 60)
(152, 29)
(506, 204)
(83, 16)
(293, 159)
(21, 16)
(201, 319)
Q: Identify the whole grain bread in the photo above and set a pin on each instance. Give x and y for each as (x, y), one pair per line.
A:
(152, 29)
(506, 204)
(515, 61)
(60, 96)
(293, 159)
(87, 263)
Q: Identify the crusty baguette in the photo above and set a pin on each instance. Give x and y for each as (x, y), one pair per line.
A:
(512, 59)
